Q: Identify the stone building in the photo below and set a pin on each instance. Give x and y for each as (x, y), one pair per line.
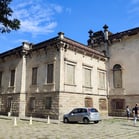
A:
(122, 50)
(51, 78)
(54, 76)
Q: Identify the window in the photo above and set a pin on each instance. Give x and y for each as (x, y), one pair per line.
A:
(102, 79)
(12, 78)
(0, 104)
(88, 102)
(93, 110)
(83, 110)
(9, 104)
(102, 104)
(70, 74)
(118, 103)
(87, 77)
(34, 75)
(50, 70)
(32, 103)
(0, 79)
(48, 102)
(75, 111)
(117, 76)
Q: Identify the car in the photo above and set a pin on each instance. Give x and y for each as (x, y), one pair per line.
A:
(85, 115)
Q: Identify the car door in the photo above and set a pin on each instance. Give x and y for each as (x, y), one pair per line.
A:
(73, 115)
(79, 115)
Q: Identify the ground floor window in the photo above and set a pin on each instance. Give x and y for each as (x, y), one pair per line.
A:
(32, 103)
(102, 104)
(118, 103)
(48, 102)
(9, 103)
(88, 102)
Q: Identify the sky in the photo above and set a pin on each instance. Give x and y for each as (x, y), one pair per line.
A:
(44, 19)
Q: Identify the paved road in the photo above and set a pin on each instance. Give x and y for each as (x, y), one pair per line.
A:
(106, 129)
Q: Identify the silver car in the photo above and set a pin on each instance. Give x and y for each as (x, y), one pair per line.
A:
(84, 115)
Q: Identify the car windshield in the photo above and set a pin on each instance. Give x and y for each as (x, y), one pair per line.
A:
(93, 110)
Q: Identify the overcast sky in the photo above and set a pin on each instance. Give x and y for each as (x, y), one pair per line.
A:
(43, 19)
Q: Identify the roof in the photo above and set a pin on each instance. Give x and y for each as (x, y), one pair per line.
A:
(98, 36)
(73, 45)
(119, 35)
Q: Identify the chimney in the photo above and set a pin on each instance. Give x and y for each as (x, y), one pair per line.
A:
(61, 35)
(90, 41)
(27, 46)
(90, 33)
(106, 47)
(106, 32)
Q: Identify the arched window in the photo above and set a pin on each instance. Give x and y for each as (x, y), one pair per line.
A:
(117, 76)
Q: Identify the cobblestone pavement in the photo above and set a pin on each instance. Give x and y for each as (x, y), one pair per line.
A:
(106, 129)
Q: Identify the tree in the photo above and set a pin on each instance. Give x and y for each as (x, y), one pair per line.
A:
(6, 22)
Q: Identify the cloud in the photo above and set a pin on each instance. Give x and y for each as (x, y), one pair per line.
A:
(57, 8)
(37, 16)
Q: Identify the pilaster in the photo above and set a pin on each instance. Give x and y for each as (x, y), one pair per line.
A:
(22, 101)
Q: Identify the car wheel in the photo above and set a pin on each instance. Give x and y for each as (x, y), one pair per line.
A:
(66, 120)
(96, 122)
(86, 120)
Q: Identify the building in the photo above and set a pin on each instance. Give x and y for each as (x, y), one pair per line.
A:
(51, 78)
(123, 53)
(54, 76)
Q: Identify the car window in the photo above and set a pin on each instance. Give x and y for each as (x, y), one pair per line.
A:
(83, 110)
(75, 111)
(79, 110)
(93, 110)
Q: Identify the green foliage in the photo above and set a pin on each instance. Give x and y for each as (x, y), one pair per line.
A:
(6, 23)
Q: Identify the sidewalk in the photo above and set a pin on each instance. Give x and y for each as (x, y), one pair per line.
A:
(48, 120)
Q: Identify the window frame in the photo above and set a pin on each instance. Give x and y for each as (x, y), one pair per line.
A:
(12, 77)
(68, 82)
(118, 104)
(32, 103)
(117, 70)
(102, 104)
(1, 78)
(100, 85)
(85, 82)
(49, 74)
(88, 102)
(34, 75)
(48, 102)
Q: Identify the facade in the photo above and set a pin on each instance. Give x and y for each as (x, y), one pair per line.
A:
(123, 52)
(51, 78)
(59, 74)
